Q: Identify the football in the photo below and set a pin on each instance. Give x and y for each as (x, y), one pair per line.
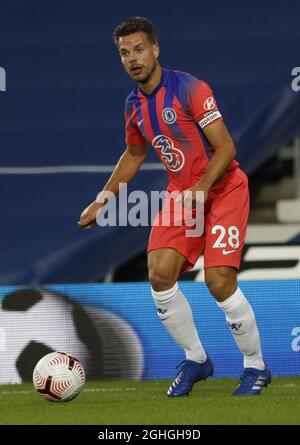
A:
(58, 377)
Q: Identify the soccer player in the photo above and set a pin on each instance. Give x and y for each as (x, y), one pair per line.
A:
(175, 112)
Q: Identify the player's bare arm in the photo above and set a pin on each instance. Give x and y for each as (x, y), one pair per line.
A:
(128, 165)
(224, 152)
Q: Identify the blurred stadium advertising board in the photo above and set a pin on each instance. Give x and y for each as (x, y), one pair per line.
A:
(114, 330)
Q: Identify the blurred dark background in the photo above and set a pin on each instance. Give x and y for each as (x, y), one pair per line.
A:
(61, 120)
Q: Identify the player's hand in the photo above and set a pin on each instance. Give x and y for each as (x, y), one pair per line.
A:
(190, 198)
(88, 216)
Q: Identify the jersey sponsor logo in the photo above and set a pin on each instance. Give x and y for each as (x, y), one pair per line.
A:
(172, 157)
(209, 104)
(209, 118)
(169, 115)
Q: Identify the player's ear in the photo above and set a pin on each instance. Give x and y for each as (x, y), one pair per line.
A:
(156, 50)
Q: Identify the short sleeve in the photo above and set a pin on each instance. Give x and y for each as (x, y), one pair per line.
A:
(202, 104)
(133, 135)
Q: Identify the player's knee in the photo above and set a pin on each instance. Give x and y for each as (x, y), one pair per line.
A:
(161, 279)
(221, 285)
(220, 288)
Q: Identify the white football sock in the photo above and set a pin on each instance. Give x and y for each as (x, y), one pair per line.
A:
(241, 321)
(175, 313)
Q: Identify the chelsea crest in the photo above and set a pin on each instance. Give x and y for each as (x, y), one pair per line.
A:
(169, 115)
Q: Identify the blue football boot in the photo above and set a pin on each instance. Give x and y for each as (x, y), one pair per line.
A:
(253, 381)
(190, 373)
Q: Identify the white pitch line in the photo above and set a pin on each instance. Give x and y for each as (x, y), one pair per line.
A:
(14, 392)
(84, 390)
(287, 385)
(108, 389)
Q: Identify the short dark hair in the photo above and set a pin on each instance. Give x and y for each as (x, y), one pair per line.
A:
(133, 25)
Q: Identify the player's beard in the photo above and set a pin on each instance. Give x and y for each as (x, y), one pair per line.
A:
(147, 75)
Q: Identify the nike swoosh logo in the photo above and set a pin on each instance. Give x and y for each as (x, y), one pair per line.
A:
(140, 122)
(226, 252)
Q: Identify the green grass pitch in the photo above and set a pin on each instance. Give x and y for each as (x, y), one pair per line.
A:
(146, 403)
